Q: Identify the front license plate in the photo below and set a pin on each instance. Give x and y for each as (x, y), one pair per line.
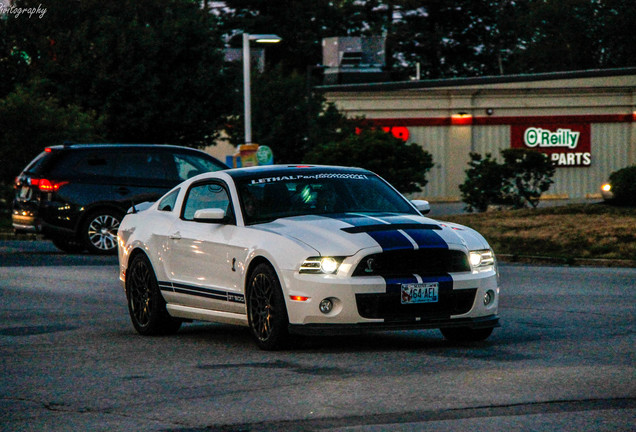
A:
(420, 293)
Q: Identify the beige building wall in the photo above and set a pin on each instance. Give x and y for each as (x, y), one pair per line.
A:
(428, 110)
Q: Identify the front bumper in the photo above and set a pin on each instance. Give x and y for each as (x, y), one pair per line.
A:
(358, 329)
(373, 303)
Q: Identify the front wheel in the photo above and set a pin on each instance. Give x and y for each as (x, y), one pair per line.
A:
(466, 334)
(266, 311)
(146, 305)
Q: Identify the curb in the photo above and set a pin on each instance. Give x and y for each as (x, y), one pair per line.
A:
(564, 261)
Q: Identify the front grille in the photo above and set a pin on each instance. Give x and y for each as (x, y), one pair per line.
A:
(389, 307)
(432, 261)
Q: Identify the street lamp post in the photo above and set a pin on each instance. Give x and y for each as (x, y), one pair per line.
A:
(247, 92)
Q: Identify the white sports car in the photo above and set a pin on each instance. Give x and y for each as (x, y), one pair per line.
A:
(309, 250)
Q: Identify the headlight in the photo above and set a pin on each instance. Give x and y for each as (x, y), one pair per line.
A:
(481, 258)
(317, 265)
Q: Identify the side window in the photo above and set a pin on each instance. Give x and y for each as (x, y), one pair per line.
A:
(168, 202)
(204, 196)
(189, 165)
(85, 164)
(146, 165)
(96, 164)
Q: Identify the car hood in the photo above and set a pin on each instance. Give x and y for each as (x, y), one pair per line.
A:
(346, 234)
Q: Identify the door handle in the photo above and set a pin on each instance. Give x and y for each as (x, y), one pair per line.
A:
(175, 236)
(123, 190)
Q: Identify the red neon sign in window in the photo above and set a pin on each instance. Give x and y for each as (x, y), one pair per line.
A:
(400, 132)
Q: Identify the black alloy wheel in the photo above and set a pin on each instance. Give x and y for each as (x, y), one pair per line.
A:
(146, 305)
(267, 313)
(99, 231)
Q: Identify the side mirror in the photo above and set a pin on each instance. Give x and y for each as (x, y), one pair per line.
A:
(213, 215)
(423, 206)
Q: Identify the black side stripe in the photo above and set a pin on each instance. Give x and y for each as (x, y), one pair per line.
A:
(202, 292)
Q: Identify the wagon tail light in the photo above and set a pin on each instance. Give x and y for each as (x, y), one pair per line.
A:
(46, 185)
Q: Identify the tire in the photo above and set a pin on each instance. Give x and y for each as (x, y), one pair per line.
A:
(146, 305)
(465, 334)
(68, 245)
(266, 311)
(99, 231)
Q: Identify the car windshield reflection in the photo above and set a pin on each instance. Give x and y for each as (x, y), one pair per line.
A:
(267, 199)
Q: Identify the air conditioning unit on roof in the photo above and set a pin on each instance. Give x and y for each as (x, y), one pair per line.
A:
(353, 59)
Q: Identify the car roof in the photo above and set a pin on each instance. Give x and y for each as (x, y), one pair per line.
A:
(281, 170)
(119, 146)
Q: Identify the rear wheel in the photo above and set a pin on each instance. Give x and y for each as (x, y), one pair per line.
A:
(266, 309)
(99, 231)
(146, 305)
(466, 334)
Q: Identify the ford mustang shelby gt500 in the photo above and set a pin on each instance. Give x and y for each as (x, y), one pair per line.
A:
(307, 250)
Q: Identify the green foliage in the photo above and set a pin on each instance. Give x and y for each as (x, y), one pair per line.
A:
(623, 184)
(152, 68)
(30, 121)
(287, 117)
(450, 39)
(483, 183)
(302, 25)
(403, 165)
(526, 175)
(519, 181)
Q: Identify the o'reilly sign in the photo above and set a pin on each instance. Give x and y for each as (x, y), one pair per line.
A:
(565, 145)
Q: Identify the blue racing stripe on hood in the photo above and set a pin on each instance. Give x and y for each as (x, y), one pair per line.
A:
(398, 237)
(426, 238)
(391, 240)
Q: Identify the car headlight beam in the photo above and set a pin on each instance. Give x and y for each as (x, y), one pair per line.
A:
(481, 258)
(321, 265)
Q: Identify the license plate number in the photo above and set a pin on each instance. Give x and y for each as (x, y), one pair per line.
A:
(420, 293)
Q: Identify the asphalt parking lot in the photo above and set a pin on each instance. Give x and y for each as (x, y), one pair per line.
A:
(562, 360)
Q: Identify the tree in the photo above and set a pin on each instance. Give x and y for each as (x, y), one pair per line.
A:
(403, 165)
(287, 116)
(301, 24)
(152, 68)
(30, 121)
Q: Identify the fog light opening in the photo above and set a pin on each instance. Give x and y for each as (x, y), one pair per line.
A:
(489, 297)
(326, 306)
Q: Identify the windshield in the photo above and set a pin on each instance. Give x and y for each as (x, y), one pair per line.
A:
(264, 199)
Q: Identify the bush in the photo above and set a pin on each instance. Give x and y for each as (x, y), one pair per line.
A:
(526, 175)
(403, 165)
(518, 181)
(483, 183)
(623, 184)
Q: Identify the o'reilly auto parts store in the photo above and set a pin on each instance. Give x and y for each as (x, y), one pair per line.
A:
(584, 121)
